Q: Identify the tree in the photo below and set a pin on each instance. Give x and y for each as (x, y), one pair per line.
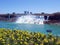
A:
(13, 13)
(42, 13)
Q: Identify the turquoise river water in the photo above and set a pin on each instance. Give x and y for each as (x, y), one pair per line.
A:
(32, 27)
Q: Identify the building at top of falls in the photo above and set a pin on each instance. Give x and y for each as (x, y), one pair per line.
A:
(27, 12)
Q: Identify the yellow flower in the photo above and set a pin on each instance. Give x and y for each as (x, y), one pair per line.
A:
(21, 39)
(58, 42)
(36, 44)
(21, 42)
(42, 35)
(15, 42)
(0, 38)
(5, 33)
(38, 39)
(27, 37)
(38, 34)
(25, 43)
(3, 42)
(8, 44)
(18, 39)
(52, 39)
(18, 34)
(13, 38)
(41, 44)
(45, 40)
(10, 36)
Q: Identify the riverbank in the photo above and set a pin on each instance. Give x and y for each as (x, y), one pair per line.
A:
(19, 37)
(52, 22)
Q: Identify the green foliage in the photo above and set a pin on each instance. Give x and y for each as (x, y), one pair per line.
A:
(19, 37)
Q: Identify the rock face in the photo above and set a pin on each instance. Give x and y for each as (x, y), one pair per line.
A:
(7, 17)
(45, 17)
(54, 18)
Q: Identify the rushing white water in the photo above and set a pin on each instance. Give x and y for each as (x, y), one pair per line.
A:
(31, 19)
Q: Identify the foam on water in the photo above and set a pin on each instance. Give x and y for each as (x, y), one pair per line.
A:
(30, 19)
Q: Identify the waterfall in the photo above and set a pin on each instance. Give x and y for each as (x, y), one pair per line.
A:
(31, 19)
(47, 17)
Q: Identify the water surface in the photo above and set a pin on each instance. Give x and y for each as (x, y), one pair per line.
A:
(31, 27)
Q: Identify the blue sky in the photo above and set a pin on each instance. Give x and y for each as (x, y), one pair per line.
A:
(19, 6)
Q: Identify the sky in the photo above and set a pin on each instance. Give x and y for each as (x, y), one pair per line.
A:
(35, 6)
